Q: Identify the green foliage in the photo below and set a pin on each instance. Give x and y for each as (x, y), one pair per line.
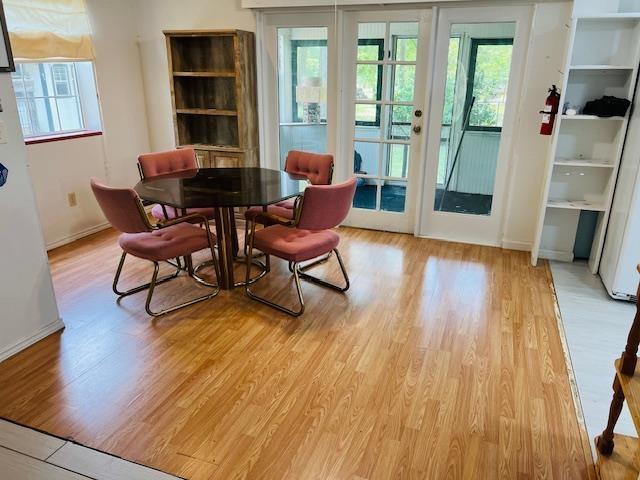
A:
(450, 86)
(493, 64)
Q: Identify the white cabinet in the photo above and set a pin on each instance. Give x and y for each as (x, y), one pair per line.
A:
(582, 167)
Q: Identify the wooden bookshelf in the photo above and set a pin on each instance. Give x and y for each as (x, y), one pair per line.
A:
(213, 95)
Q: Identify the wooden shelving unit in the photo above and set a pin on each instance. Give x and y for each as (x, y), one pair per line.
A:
(580, 174)
(213, 94)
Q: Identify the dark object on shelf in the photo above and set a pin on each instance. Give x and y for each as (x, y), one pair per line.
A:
(607, 107)
(4, 172)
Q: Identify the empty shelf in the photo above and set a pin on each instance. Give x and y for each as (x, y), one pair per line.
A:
(576, 205)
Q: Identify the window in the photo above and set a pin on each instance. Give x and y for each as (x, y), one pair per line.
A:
(55, 97)
(308, 60)
(489, 67)
(369, 80)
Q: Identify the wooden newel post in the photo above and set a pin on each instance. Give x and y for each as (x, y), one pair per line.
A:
(604, 443)
(629, 357)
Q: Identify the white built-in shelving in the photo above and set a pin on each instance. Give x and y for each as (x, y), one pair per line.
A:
(580, 174)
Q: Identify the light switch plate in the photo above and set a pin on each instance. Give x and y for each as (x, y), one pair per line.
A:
(3, 132)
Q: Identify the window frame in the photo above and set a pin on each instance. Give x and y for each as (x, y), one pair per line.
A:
(48, 96)
(381, 52)
(473, 55)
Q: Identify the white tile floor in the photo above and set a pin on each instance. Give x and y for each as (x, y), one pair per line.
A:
(596, 329)
(26, 454)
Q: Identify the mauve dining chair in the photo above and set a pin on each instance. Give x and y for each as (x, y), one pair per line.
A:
(152, 165)
(156, 243)
(307, 237)
(317, 168)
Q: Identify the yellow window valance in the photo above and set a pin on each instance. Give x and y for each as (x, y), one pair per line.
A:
(49, 29)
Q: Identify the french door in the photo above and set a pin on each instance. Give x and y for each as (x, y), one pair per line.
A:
(384, 59)
(479, 57)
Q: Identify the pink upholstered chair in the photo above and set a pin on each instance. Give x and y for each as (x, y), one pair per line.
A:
(162, 163)
(315, 167)
(172, 239)
(307, 237)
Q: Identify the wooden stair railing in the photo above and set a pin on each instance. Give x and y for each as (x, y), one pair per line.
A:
(625, 463)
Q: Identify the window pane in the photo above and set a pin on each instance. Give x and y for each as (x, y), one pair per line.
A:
(70, 118)
(24, 117)
(396, 160)
(367, 131)
(367, 114)
(302, 89)
(468, 156)
(399, 122)
(368, 82)
(370, 50)
(452, 73)
(366, 194)
(366, 158)
(403, 82)
(393, 196)
(44, 116)
(371, 41)
(490, 80)
(404, 41)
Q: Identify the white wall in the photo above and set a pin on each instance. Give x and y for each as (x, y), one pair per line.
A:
(28, 310)
(545, 61)
(157, 15)
(61, 167)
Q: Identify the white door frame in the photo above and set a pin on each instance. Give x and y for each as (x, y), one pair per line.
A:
(382, 220)
(477, 229)
(267, 66)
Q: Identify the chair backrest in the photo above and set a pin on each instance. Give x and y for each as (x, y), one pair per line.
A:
(317, 167)
(162, 163)
(326, 206)
(122, 208)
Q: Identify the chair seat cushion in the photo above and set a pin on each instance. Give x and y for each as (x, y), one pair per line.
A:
(294, 244)
(165, 243)
(276, 209)
(158, 213)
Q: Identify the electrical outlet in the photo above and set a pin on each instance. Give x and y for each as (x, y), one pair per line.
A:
(3, 132)
(71, 198)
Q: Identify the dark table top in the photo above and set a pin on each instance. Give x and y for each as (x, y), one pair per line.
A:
(221, 187)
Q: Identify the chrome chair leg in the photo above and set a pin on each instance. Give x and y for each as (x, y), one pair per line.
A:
(152, 285)
(318, 281)
(252, 295)
(139, 288)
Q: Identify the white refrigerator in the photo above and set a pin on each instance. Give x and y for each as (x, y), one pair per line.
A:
(621, 253)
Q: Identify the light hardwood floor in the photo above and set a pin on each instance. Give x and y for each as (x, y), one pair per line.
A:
(442, 361)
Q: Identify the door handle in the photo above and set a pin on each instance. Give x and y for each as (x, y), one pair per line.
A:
(417, 129)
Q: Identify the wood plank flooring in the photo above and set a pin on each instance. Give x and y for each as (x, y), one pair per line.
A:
(442, 361)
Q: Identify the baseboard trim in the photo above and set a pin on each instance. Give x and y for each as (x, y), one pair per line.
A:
(516, 245)
(27, 342)
(78, 235)
(557, 255)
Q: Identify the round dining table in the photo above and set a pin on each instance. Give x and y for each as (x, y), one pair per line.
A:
(225, 189)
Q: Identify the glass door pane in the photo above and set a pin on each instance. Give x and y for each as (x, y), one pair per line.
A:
(302, 89)
(478, 69)
(385, 83)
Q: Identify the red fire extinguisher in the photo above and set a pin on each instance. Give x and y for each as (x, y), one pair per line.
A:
(550, 111)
